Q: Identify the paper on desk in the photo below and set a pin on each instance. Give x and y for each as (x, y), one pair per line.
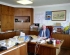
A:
(34, 40)
(22, 34)
(34, 36)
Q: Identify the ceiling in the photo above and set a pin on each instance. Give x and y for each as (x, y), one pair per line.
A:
(37, 2)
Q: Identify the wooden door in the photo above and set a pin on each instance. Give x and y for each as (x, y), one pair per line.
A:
(10, 22)
(4, 10)
(4, 22)
(0, 9)
(7, 22)
(11, 11)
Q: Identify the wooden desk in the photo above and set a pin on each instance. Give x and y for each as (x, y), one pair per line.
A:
(16, 50)
(45, 49)
(65, 37)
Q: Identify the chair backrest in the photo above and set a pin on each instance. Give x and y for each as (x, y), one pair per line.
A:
(50, 29)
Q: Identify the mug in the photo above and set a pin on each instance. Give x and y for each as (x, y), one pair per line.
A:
(57, 41)
(54, 42)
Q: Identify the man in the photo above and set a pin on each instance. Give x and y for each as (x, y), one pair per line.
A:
(44, 32)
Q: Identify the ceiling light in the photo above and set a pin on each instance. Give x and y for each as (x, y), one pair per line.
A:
(25, 2)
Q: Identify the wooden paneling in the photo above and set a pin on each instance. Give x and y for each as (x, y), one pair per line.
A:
(5, 10)
(0, 17)
(65, 37)
(32, 16)
(7, 18)
(47, 51)
(41, 49)
(25, 26)
(4, 21)
(7, 22)
(26, 12)
(23, 50)
(18, 12)
(22, 11)
(2, 36)
(33, 33)
(22, 26)
(14, 52)
(17, 33)
(11, 11)
(19, 25)
(7, 35)
(0, 9)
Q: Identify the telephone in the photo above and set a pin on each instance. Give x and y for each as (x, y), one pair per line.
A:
(30, 38)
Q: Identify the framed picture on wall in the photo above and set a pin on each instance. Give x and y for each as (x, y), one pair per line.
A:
(48, 15)
(59, 15)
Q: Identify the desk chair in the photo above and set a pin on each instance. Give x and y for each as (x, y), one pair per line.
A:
(50, 29)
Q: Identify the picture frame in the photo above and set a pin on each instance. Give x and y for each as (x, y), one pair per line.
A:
(59, 15)
(48, 15)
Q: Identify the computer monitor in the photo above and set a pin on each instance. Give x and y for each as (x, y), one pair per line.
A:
(36, 24)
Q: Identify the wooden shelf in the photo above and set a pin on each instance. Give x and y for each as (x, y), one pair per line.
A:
(22, 18)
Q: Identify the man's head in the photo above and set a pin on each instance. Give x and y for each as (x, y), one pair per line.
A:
(43, 27)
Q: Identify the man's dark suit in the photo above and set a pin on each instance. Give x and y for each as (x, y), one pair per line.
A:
(47, 33)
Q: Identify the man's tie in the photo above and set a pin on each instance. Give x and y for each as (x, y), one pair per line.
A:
(43, 34)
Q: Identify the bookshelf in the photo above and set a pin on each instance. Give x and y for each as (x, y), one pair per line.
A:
(22, 18)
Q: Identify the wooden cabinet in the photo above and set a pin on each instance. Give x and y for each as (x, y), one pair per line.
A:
(7, 14)
(20, 13)
(0, 17)
(11, 11)
(4, 10)
(7, 10)
(0, 9)
(6, 17)
(7, 35)
(22, 26)
(33, 33)
(26, 12)
(7, 22)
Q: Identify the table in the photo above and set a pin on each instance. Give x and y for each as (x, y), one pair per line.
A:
(65, 37)
(61, 36)
(20, 49)
(45, 49)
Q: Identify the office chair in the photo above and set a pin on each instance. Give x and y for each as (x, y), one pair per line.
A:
(50, 29)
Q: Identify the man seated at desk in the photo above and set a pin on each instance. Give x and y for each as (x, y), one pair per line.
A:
(44, 32)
